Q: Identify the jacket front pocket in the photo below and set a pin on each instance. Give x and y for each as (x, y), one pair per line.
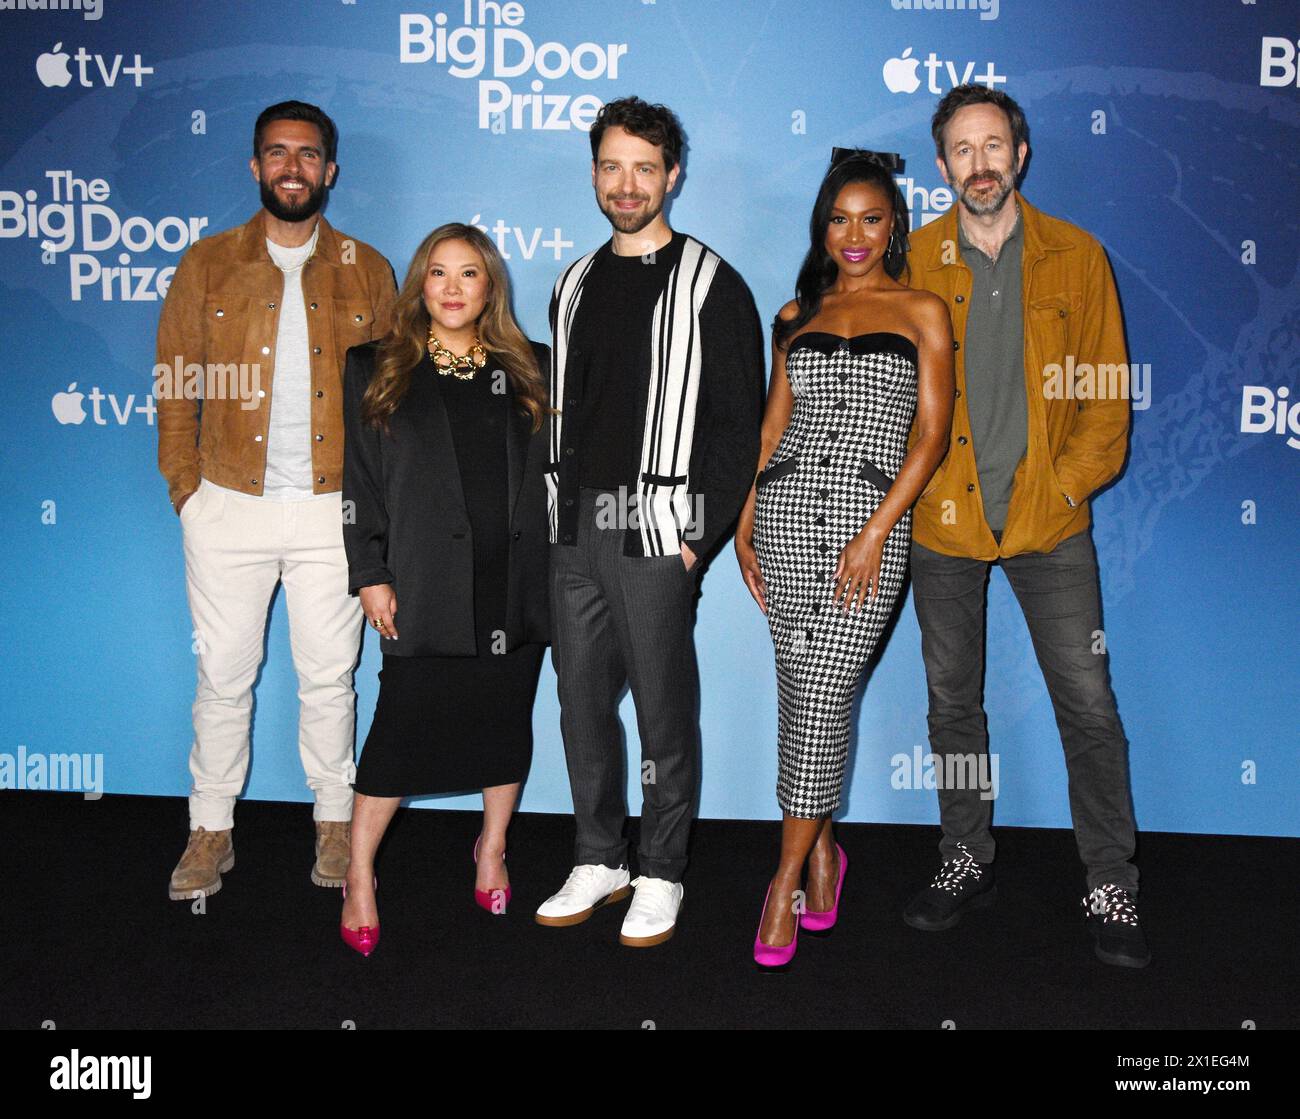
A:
(777, 471)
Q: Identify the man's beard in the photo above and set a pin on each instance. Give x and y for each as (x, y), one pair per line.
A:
(994, 202)
(313, 201)
(632, 222)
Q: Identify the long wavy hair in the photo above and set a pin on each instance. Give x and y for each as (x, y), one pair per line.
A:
(819, 270)
(404, 347)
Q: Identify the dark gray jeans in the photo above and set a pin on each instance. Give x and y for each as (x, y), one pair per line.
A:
(626, 620)
(1059, 595)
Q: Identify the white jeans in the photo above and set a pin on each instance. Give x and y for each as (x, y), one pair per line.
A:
(237, 548)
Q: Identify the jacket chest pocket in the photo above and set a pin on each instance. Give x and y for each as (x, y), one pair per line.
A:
(1052, 324)
(354, 320)
(227, 320)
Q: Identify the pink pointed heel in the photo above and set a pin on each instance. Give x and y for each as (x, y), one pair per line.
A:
(494, 901)
(365, 939)
(773, 957)
(820, 922)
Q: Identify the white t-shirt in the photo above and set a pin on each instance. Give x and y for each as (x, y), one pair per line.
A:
(289, 438)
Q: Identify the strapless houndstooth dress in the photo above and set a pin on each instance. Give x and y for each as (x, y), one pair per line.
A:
(855, 399)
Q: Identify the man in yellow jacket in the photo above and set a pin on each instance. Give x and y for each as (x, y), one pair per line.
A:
(1040, 423)
(249, 381)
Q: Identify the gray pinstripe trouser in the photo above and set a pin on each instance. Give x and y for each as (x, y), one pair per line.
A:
(621, 620)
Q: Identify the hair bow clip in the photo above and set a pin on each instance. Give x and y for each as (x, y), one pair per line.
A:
(892, 161)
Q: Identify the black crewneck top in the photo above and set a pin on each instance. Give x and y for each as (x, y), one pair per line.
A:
(611, 332)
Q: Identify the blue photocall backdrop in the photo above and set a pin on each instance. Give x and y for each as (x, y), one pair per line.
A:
(1168, 131)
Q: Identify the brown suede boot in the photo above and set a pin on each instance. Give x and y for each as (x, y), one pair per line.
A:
(333, 852)
(207, 856)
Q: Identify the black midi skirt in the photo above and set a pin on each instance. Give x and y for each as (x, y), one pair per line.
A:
(451, 724)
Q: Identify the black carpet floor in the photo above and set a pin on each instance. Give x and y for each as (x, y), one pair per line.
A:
(92, 942)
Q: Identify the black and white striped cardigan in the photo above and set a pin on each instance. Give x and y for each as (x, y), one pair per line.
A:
(663, 499)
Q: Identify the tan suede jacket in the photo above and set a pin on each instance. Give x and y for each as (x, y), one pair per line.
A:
(1078, 424)
(213, 381)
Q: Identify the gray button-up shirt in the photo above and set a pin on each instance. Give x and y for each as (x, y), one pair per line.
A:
(995, 369)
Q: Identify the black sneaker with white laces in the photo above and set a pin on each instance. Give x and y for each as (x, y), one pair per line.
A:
(961, 884)
(1113, 921)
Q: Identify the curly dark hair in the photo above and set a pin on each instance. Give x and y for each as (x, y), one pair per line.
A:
(655, 124)
(298, 110)
(973, 94)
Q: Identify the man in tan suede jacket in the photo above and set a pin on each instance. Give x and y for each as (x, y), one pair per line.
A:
(248, 378)
(1040, 423)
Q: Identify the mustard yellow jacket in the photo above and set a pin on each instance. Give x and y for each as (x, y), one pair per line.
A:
(1077, 394)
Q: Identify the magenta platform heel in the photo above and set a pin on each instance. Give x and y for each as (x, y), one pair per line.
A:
(773, 957)
(820, 922)
(488, 899)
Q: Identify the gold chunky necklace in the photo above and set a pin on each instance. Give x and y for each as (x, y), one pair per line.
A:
(463, 366)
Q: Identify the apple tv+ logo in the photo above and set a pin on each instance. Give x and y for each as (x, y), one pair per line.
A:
(54, 73)
(900, 74)
(69, 409)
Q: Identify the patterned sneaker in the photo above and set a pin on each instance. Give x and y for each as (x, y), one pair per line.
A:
(1113, 921)
(961, 884)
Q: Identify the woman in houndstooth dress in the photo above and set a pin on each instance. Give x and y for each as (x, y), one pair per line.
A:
(861, 372)
(855, 399)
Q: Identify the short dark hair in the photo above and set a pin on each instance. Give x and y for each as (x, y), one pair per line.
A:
(298, 110)
(655, 124)
(974, 94)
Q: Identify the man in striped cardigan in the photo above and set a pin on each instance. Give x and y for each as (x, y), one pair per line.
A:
(657, 379)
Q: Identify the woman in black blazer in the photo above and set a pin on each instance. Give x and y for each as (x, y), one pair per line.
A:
(445, 514)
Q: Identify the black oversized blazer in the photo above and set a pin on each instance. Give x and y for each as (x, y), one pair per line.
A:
(405, 521)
